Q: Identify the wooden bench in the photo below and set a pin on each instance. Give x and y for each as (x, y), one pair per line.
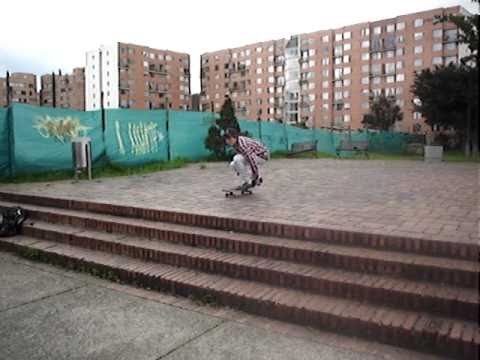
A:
(299, 148)
(359, 146)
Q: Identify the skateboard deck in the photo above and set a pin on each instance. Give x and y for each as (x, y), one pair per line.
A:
(236, 192)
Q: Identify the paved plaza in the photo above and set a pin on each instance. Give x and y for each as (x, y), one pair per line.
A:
(406, 198)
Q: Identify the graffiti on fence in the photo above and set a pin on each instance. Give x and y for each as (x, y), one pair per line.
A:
(60, 129)
(144, 138)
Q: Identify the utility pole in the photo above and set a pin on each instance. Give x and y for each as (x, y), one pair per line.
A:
(54, 91)
(9, 90)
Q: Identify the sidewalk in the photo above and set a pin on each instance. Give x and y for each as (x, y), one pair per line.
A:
(51, 313)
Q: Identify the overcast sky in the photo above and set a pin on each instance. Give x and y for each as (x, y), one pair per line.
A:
(41, 36)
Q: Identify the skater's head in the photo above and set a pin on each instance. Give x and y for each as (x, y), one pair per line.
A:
(231, 136)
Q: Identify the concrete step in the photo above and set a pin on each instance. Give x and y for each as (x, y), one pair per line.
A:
(412, 266)
(421, 331)
(377, 289)
(452, 249)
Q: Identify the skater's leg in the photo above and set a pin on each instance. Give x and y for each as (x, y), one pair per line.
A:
(242, 168)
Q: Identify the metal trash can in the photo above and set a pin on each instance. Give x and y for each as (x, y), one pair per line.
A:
(82, 156)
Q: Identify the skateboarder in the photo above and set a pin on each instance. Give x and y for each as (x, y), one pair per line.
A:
(250, 154)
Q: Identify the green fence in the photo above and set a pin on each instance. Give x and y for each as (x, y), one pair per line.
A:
(136, 136)
(35, 139)
(4, 143)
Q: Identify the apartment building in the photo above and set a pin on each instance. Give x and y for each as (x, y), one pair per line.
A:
(22, 89)
(63, 90)
(327, 78)
(252, 75)
(137, 77)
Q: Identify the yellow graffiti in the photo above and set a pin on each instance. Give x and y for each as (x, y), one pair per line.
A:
(60, 128)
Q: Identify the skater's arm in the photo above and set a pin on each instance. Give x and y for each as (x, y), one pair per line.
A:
(248, 152)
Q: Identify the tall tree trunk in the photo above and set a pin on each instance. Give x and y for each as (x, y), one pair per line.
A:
(468, 132)
(475, 129)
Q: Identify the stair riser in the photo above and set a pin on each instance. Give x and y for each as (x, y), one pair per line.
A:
(377, 241)
(325, 259)
(354, 325)
(383, 296)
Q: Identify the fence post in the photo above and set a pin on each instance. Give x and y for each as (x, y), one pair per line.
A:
(11, 157)
(169, 157)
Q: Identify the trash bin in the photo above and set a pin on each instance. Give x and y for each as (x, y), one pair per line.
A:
(82, 156)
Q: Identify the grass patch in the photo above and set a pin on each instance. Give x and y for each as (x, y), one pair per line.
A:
(306, 155)
(108, 170)
(459, 156)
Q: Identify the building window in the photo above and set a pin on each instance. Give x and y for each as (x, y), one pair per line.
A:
(451, 35)
(400, 51)
(418, 22)
(365, 68)
(390, 54)
(390, 79)
(365, 56)
(451, 46)
(418, 36)
(325, 96)
(338, 37)
(377, 80)
(347, 35)
(377, 30)
(437, 33)
(437, 60)
(325, 38)
(325, 61)
(259, 61)
(400, 39)
(377, 56)
(259, 70)
(259, 49)
(325, 107)
(365, 105)
(365, 31)
(450, 60)
(418, 49)
(325, 72)
(346, 118)
(400, 26)
(417, 115)
(365, 44)
(399, 65)
(347, 70)
(365, 80)
(325, 84)
(390, 28)
(400, 77)
(418, 62)
(437, 47)
(259, 81)
(346, 59)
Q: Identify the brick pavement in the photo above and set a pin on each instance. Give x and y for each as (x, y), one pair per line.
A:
(407, 198)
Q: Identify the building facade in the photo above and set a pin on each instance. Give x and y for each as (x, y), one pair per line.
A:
(328, 78)
(137, 77)
(63, 90)
(22, 89)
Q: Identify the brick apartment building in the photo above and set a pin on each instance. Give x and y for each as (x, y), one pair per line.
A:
(326, 78)
(63, 90)
(23, 89)
(137, 77)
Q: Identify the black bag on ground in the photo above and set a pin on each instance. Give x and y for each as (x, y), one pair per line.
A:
(11, 220)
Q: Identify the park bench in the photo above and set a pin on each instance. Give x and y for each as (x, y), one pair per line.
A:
(298, 148)
(358, 146)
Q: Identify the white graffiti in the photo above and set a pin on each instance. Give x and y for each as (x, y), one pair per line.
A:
(144, 137)
(60, 128)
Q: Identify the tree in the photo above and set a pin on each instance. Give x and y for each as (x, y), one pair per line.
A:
(214, 140)
(448, 95)
(448, 98)
(384, 112)
(468, 33)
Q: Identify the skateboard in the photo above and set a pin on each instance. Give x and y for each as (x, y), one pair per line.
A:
(236, 192)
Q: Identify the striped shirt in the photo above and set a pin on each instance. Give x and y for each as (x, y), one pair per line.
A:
(251, 149)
